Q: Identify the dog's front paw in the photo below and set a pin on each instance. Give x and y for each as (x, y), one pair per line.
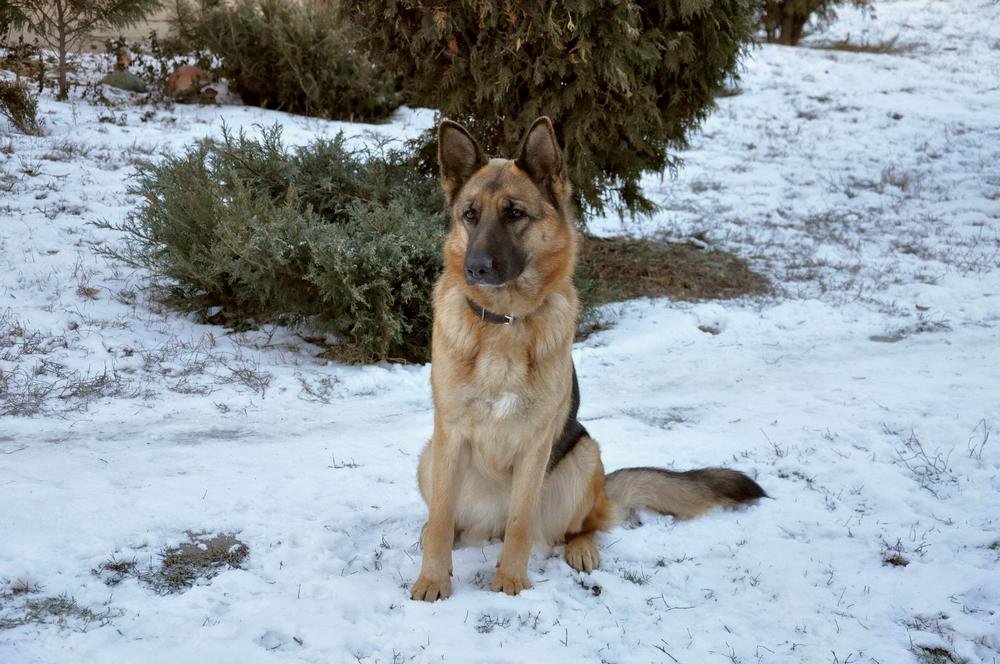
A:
(511, 584)
(428, 590)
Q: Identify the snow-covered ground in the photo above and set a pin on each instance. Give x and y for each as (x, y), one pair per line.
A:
(864, 396)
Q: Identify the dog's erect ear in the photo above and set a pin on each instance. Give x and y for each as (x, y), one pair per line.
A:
(459, 156)
(539, 155)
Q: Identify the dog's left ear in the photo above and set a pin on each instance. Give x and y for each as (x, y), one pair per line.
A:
(540, 156)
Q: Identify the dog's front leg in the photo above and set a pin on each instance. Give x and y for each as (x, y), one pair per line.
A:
(438, 535)
(529, 473)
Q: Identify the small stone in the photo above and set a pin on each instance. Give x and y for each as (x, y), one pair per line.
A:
(124, 80)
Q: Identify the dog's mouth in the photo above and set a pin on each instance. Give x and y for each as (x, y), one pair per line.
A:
(492, 283)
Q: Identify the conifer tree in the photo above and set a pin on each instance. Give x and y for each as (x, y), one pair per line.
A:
(63, 25)
(10, 19)
(623, 81)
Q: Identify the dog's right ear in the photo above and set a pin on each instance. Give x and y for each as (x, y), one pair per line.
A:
(459, 156)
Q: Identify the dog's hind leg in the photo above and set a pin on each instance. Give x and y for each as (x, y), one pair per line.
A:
(581, 549)
(576, 507)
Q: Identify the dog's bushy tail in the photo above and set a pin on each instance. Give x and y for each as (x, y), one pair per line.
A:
(681, 494)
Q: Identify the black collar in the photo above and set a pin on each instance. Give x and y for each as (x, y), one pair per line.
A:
(482, 313)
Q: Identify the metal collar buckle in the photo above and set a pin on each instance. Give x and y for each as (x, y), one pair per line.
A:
(488, 316)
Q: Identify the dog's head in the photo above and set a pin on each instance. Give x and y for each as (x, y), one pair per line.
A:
(512, 238)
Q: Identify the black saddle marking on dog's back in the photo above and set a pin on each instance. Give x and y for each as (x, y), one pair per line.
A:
(572, 431)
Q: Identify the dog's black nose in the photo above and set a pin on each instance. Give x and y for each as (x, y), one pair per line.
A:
(479, 269)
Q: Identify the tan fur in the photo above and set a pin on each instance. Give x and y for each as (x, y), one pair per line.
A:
(645, 490)
(683, 495)
(502, 392)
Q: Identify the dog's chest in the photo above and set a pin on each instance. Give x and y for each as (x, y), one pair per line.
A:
(498, 387)
(495, 407)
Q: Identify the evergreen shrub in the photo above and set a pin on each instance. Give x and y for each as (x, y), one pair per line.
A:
(289, 55)
(344, 239)
(624, 82)
(19, 107)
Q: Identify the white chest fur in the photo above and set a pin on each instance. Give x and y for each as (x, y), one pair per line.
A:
(505, 405)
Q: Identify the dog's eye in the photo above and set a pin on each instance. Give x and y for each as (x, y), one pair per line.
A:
(469, 215)
(514, 214)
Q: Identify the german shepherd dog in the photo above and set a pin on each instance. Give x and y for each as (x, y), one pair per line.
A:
(508, 457)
